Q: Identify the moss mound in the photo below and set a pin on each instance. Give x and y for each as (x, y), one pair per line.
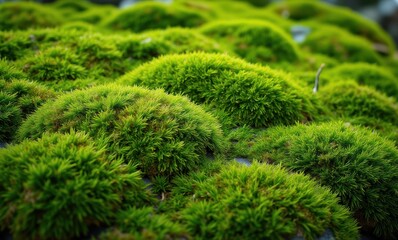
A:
(339, 44)
(348, 99)
(367, 74)
(24, 15)
(8, 71)
(358, 165)
(144, 223)
(338, 16)
(248, 93)
(60, 185)
(260, 202)
(17, 100)
(152, 15)
(254, 40)
(165, 135)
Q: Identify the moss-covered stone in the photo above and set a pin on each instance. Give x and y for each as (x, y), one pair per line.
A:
(250, 94)
(24, 15)
(338, 16)
(61, 185)
(18, 99)
(165, 135)
(357, 164)
(254, 40)
(348, 99)
(375, 76)
(152, 15)
(260, 202)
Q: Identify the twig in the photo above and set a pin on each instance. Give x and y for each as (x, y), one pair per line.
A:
(318, 74)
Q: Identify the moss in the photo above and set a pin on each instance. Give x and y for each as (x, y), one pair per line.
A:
(339, 44)
(250, 94)
(61, 185)
(79, 26)
(8, 71)
(24, 15)
(151, 15)
(254, 40)
(144, 223)
(348, 99)
(94, 15)
(260, 202)
(338, 16)
(358, 165)
(18, 99)
(165, 135)
(367, 74)
(70, 8)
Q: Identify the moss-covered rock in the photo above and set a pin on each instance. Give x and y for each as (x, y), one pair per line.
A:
(348, 99)
(260, 202)
(24, 15)
(339, 44)
(152, 15)
(358, 165)
(61, 185)
(18, 99)
(165, 135)
(250, 94)
(338, 16)
(367, 74)
(254, 40)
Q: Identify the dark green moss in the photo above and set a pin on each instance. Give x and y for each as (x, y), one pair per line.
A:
(260, 202)
(357, 164)
(165, 135)
(8, 71)
(61, 185)
(254, 40)
(25, 15)
(18, 99)
(152, 15)
(250, 94)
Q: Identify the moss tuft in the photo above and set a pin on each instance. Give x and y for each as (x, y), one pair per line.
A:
(9, 72)
(165, 135)
(152, 15)
(358, 165)
(254, 40)
(250, 94)
(25, 15)
(61, 185)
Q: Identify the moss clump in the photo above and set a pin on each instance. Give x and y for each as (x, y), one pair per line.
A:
(367, 74)
(250, 94)
(338, 16)
(165, 135)
(61, 185)
(144, 223)
(71, 7)
(94, 15)
(24, 15)
(8, 71)
(254, 40)
(17, 100)
(358, 165)
(339, 44)
(260, 202)
(348, 99)
(151, 15)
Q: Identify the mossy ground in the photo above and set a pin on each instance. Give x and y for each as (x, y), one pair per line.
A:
(89, 154)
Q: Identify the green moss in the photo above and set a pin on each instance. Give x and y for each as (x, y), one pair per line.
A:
(367, 74)
(151, 15)
(79, 26)
(248, 93)
(254, 40)
(339, 44)
(165, 135)
(24, 15)
(260, 202)
(358, 165)
(8, 71)
(94, 15)
(348, 99)
(144, 223)
(61, 185)
(338, 16)
(18, 99)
